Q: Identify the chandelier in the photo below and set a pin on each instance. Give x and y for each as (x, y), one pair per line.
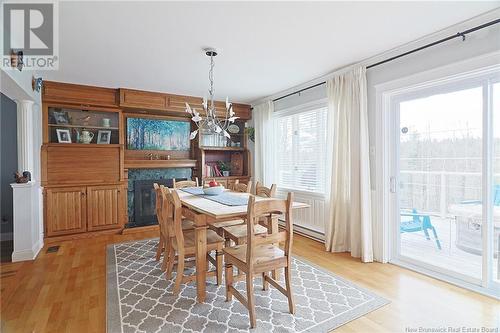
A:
(208, 121)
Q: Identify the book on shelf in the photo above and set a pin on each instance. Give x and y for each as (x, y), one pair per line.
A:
(212, 170)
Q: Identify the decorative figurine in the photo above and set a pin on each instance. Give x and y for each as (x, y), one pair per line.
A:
(37, 83)
(27, 174)
(20, 179)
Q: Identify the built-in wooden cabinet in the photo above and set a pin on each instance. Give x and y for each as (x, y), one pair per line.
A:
(169, 104)
(105, 207)
(78, 94)
(66, 210)
(143, 99)
(212, 149)
(84, 158)
(74, 210)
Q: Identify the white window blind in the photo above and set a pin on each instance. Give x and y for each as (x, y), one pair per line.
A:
(301, 150)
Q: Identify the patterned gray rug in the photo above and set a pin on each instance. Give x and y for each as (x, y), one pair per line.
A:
(139, 299)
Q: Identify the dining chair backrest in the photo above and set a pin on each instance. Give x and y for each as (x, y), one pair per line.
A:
(185, 183)
(266, 192)
(172, 209)
(243, 188)
(265, 208)
(157, 190)
(164, 211)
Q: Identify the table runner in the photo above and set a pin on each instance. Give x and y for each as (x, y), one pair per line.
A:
(225, 198)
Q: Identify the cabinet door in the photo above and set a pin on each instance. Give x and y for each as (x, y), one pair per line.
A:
(143, 99)
(59, 92)
(65, 211)
(105, 205)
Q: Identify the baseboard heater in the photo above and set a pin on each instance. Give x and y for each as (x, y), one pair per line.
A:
(306, 232)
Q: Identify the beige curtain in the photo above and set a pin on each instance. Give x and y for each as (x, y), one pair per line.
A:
(262, 116)
(349, 224)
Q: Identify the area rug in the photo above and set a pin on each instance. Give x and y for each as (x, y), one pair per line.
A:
(140, 299)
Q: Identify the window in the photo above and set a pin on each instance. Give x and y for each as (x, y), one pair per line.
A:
(300, 143)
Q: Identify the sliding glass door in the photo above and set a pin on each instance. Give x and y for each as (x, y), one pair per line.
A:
(495, 88)
(445, 179)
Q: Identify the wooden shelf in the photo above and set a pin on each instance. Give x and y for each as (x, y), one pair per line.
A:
(223, 148)
(159, 164)
(93, 145)
(82, 126)
(230, 177)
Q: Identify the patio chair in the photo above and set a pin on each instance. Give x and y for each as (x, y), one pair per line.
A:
(417, 223)
(496, 198)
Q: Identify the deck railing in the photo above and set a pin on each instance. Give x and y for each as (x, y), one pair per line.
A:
(434, 191)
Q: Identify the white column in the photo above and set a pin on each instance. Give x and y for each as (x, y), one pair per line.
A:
(28, 222)
(25, 136)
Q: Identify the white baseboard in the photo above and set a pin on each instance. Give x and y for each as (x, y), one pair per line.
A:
(25, 255)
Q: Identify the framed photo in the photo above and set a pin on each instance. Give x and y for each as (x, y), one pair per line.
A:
(61, 117)
(63, 135)
(103, 137)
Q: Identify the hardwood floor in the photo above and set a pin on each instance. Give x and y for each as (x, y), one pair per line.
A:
(66, 291)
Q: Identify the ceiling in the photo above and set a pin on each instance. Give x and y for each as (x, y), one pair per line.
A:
(264, 47)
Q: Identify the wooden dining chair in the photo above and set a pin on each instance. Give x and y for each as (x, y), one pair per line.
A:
(218, 226)
(185, 183)
(260, 255)
(183, 243)
(237, 232)
(166, 233)
(241, 187)
(158, 202)
(266, 192)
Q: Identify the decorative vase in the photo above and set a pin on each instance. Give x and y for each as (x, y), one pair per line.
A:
(86, 136)
(225, 173)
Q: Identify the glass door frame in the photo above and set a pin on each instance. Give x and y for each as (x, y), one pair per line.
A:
(485, 77)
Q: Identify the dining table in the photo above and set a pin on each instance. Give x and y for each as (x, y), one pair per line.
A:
(203, 212)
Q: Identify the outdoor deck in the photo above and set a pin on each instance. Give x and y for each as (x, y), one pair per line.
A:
(415, 245)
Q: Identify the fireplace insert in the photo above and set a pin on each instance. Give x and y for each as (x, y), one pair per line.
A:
(144, 201)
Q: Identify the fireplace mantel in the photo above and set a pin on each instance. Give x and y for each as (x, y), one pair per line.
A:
(159, 164)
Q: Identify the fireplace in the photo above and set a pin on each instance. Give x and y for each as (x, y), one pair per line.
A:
(145, 201)
(141, 195)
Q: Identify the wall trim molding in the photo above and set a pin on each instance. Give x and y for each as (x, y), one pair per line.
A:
(30, 254)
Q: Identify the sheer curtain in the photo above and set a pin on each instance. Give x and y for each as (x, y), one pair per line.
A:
(349, 222)
(264, 159)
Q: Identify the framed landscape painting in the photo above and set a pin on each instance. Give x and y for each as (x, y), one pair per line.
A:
(157, 134)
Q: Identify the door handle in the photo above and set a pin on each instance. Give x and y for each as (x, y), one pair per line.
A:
(392, 184)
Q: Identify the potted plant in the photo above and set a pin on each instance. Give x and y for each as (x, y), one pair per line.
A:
(224, 167)
(251, 133)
